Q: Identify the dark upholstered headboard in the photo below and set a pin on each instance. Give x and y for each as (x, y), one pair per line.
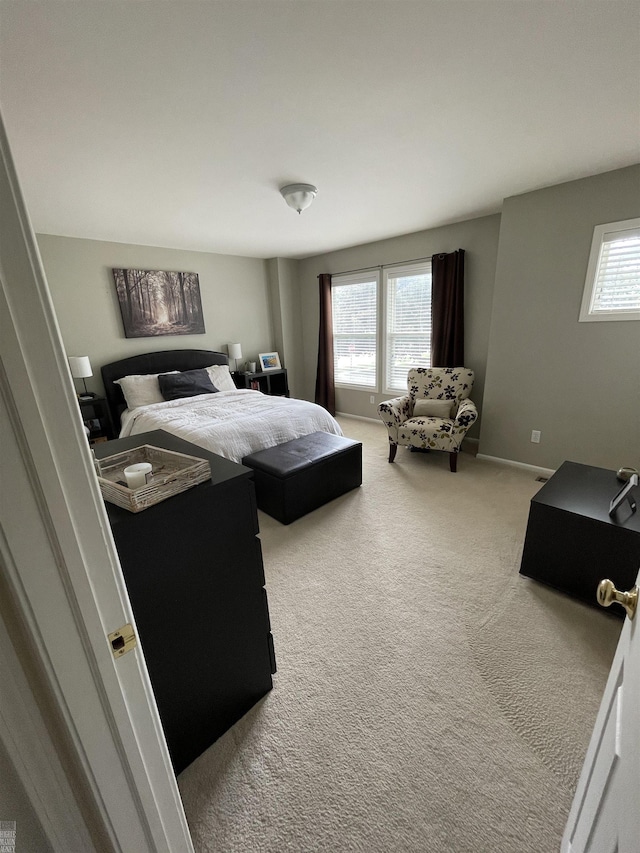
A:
(152, 362)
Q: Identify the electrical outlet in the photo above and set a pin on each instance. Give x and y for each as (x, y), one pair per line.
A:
(535, 436)
(372, 399)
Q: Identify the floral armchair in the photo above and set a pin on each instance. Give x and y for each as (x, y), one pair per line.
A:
(422, 417)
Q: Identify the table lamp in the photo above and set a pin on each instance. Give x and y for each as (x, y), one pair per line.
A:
(80, 369)
(235, 352)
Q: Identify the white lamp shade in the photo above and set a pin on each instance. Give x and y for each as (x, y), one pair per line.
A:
(235, 351)
(80, 366)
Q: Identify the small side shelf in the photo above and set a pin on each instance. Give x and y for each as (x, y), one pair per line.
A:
(272, 382)
(96, 418)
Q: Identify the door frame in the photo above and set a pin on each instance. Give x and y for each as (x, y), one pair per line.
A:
(96, 715)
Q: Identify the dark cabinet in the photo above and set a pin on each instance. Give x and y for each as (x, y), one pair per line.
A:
(572, 542)
(194, 574)
(272, 382)
(96, 419)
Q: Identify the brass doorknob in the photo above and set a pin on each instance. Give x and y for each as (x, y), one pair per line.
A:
(607, 594)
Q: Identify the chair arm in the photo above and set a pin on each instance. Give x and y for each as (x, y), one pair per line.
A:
(395, 412)
(467, 414)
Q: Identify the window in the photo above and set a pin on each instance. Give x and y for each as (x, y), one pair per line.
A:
(381, 328)
(612, 287)
(355, 330)
(408, 323)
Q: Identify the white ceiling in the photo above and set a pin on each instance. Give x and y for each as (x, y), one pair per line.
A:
(173, 124)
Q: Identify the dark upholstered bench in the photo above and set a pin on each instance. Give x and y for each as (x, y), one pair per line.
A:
(298, 476)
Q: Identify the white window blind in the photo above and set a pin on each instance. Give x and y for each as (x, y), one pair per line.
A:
(612, 288)
(617, 284)
(408, 323)
(355, 324)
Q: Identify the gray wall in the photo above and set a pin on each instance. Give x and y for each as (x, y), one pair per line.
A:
(576, 382)
(479, 239)
(536, 366)
(287, 320)
(234, 291)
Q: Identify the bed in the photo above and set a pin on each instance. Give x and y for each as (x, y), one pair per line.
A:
(232, 423)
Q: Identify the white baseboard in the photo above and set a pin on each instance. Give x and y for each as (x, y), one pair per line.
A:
(359, 418)
(470, 445)
(547, 472)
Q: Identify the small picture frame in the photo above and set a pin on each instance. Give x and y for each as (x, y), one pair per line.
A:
(269, 361)
(624, 494)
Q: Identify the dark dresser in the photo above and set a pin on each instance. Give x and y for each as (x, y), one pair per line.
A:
(572, 542)
(193, 569)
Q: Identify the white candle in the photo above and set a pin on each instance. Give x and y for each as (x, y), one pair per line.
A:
(137, 475)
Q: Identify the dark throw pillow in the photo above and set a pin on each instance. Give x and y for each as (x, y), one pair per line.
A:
(189, 383)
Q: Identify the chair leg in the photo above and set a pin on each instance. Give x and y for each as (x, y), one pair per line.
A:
(392, 452)
(453, 462)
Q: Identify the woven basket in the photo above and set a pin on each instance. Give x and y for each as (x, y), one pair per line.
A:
(172, 473)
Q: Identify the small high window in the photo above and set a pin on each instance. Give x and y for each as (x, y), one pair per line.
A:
(612, 286)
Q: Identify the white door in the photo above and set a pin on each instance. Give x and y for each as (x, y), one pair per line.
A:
(64, 582)
(605, 815)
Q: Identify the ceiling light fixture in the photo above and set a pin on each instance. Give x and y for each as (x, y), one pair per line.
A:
(299, 196)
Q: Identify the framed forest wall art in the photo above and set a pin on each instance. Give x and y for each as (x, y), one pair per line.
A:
(156, 302)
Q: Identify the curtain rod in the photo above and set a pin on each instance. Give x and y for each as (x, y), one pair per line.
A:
(383, 266)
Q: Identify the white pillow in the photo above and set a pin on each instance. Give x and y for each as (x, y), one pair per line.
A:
(141, 389)
(221, 377)
(428, 408)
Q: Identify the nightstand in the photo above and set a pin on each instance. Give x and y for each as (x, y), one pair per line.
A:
(273, 382)
(97, 419)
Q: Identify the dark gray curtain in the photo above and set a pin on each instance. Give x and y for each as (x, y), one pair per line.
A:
(325, 388)
(447, 309)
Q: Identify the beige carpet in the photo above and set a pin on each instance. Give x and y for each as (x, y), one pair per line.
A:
(428, 698)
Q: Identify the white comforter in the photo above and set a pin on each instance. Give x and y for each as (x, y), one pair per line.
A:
(232, 423)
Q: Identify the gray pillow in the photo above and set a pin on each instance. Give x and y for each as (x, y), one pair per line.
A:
(189, 383)
(428, 408)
